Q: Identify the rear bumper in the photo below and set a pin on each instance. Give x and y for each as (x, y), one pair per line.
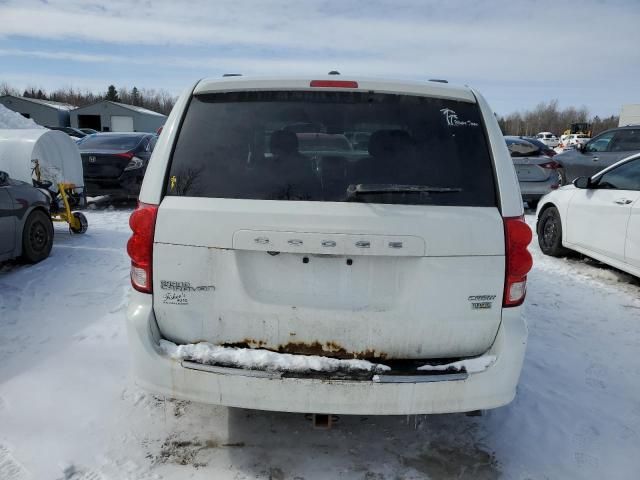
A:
(126, 184)
(490, 388)
(536, 190)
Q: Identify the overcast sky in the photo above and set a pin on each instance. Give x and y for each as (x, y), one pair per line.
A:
(516, 53)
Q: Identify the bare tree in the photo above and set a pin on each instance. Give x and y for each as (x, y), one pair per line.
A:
(6, 89)
(549, 117)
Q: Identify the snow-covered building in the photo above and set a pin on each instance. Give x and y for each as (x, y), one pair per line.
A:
(108, 116)
(44, 112)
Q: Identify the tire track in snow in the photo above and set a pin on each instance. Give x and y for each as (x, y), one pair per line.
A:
(73, 473)
(10, 469)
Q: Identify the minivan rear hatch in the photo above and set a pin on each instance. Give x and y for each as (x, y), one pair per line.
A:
(381, 238)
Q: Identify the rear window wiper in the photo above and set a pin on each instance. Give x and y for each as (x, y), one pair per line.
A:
(370, 188)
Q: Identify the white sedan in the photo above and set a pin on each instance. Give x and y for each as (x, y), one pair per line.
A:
(597, 216)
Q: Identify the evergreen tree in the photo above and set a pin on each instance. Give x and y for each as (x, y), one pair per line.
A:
(112, 94)
(135, 96)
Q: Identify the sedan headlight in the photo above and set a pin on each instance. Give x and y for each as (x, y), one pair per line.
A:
(134, 163)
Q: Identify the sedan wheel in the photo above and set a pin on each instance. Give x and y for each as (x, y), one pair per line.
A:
(37, 237)
(550, 233)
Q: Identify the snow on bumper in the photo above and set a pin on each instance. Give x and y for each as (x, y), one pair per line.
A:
(156, 371)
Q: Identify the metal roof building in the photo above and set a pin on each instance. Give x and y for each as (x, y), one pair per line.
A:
(44, 112)
(108, 116)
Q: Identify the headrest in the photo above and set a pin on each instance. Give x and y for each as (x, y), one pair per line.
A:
(389, 142)
(283, 142)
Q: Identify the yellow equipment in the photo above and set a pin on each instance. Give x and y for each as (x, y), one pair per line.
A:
(580, 128)
(62, 201)
(77, 221)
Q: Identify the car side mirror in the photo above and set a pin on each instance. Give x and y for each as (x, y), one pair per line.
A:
(4, 178)
(582, 182)
(581, 147)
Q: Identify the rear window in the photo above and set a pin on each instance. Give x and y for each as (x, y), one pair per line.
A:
(109, 142)
(333, 146)
(522, 148)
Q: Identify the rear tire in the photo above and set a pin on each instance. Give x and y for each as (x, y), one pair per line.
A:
(562, 178)
(84, 224)
(37, 237)
(550, 233)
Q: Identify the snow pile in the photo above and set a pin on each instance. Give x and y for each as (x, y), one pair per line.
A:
(10, 120)
(259, 359)
(470, 365)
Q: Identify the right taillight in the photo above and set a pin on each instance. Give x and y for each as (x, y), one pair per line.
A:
(518, 260)
(140, 246)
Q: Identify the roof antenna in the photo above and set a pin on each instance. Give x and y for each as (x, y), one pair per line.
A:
(334, 72)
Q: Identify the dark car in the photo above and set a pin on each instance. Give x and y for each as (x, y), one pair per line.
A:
(600, 152)
(72, 132)
(114, 163)
(538, 174)
(25, 223)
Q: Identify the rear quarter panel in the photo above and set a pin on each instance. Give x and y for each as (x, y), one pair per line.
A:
(508, 188)
(26, 199)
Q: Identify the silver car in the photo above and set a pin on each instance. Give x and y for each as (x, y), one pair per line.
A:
(538, 173)
(600, 152)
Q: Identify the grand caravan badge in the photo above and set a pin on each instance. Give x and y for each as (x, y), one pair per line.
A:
(481, 302)
(453, 121)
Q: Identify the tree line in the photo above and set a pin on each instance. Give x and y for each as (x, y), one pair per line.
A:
(545, 117)
(157, 100)
(549, 117)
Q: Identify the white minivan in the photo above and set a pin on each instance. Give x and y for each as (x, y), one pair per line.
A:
(279, 264)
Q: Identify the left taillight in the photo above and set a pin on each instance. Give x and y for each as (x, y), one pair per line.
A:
(518, 260)
(140, 246)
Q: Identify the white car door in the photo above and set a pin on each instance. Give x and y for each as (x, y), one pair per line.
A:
(632, 245)
(598, 217)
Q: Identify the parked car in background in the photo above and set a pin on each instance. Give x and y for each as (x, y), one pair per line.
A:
(26, 229)
(115, 163)
(323, 143)
(72, 132)
(546, 150)
(600, 152)
(538, 174)
(576, 139)
(88, 131)
(548, 138)
(265, 240)
(598, 216)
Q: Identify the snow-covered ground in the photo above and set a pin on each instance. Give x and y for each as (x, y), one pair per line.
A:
(68, 408)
